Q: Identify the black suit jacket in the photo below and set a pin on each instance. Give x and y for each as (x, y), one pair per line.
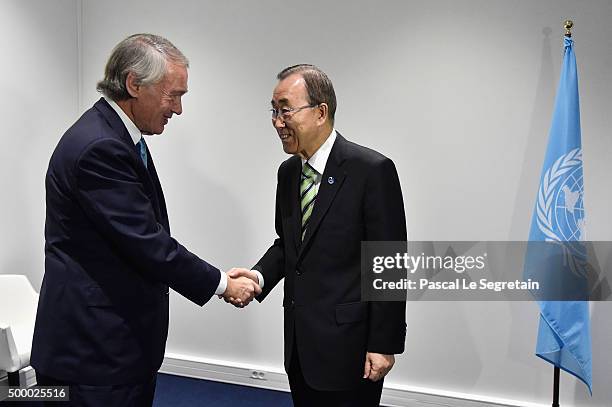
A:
(109, 259)
(359, 199)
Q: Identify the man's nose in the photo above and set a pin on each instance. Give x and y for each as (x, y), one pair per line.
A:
(178, 107)
(278, 122)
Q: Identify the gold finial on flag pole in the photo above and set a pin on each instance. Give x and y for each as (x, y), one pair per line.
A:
(568, 27)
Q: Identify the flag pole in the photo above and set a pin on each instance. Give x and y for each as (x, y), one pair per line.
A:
(557, 372)
(556, 378)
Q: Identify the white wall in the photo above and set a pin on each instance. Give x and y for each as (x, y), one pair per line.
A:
(459, 94)
(38, 102)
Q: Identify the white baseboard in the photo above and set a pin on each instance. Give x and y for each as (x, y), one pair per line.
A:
(274, 379)
(226, 372)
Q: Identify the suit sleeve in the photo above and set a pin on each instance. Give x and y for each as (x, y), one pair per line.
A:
(272, 264)
(385, 221)
(111, 193)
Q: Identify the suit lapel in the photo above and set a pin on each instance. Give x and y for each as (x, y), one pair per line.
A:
(331, 182)
(294, 201)
(158, 195)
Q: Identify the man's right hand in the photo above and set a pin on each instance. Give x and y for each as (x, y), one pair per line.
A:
(241, 272)
(240, 290)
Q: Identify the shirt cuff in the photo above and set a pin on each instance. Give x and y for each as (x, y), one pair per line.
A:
(222, 284)
(259, 278)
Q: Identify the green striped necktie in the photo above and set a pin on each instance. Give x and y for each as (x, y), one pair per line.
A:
(308, 194)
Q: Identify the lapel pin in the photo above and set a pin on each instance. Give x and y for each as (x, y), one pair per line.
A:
(331, 180)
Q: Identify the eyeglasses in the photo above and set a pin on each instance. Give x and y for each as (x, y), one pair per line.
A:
(285, 113)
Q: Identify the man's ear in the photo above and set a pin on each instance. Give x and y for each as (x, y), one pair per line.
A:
(132, 87)
(323, 113)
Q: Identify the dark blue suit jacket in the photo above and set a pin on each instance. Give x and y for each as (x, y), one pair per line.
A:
(109, 260)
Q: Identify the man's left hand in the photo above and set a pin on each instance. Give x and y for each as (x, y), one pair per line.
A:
(377, 366)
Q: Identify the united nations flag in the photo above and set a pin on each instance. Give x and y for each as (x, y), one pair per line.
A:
(564, 335)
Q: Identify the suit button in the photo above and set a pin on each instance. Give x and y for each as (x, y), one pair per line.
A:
(298, 272)
(292, 303)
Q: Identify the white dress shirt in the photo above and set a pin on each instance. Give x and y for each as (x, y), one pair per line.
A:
(318, 161)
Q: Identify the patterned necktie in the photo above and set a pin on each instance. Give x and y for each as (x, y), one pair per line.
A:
(142, 147)
(308, 194)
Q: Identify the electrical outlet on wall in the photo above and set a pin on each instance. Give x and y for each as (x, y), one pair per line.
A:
(258, 374)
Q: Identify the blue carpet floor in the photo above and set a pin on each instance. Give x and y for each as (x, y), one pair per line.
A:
(178, 391)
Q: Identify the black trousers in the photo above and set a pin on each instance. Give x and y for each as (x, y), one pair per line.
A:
(366, 394)
(81, 395)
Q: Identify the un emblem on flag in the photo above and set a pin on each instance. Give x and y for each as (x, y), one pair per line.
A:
(560, 208)
(560, 203)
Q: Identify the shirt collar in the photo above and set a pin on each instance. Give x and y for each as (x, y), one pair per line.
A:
(319, 158)
(135, 134)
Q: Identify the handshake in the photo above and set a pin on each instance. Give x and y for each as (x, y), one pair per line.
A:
(242, 287)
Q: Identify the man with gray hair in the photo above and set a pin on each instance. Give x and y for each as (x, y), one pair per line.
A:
(110, 260)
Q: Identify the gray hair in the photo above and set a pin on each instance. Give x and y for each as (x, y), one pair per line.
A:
(318, 85)
(146, 56)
